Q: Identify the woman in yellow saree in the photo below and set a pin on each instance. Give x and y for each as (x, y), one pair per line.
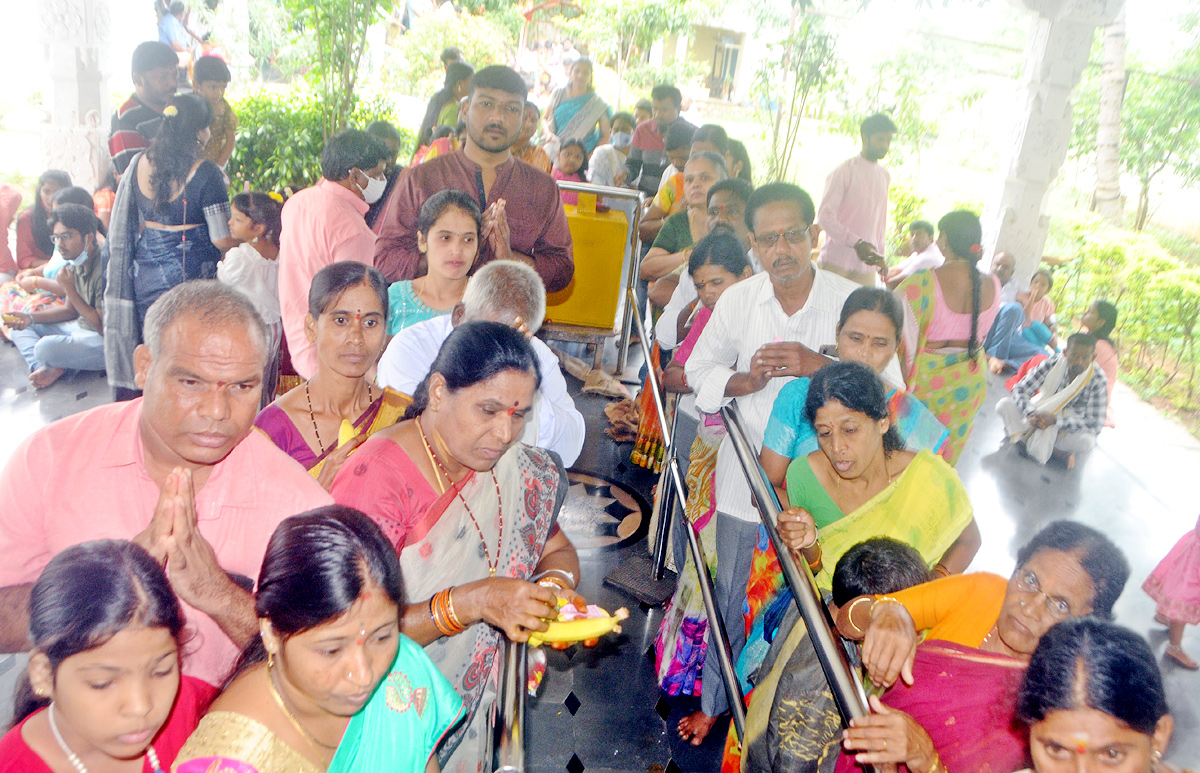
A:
(860, 484)
(347, 319)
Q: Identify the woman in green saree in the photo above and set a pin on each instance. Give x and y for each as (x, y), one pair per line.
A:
(859, 484)
(330, 683)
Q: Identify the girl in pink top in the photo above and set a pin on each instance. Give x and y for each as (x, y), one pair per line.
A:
(1099, 320)
(950, 310)
(571, 166)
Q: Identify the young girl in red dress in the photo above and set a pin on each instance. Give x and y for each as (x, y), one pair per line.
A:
(103, 689)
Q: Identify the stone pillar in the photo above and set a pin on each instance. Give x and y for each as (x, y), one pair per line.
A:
(75, 33)
(1056, 51)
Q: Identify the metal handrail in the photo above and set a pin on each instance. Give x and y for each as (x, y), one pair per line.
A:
(508, 732)
(847, 690)
(737, 701)
(633, 241)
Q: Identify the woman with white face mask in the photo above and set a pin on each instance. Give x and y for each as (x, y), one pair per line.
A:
(70, 337)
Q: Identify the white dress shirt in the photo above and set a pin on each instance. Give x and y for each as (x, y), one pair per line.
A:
(928, 258)
(553, 424)
(665, 330)
(747, 316)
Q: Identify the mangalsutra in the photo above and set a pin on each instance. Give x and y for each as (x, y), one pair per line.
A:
(313, 417)
(492, 566)
(308, 736)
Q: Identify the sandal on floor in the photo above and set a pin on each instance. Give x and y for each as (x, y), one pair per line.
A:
(1179, 656)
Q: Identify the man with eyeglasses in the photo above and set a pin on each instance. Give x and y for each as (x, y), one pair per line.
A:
(854, 207)
(523, 216)
(764, 331)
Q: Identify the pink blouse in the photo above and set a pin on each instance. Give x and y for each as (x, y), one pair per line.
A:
(950, 325)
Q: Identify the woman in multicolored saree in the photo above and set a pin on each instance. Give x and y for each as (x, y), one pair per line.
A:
(472, 514)
(330, 683)
(953, 696)
(347, 317)
(949, 312)
(861, 483)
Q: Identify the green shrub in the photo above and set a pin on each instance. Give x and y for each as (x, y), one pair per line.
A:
(279, 139)
(414, 66)
(905, 205)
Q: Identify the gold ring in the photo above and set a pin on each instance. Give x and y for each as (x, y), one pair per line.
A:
(884, 745)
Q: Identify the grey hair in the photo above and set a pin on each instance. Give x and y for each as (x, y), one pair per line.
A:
(207, 301)
(716, 159)
(504, 287)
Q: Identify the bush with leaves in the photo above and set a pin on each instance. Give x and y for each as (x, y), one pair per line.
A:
(414, 67)
(904, 206)
(279, 139)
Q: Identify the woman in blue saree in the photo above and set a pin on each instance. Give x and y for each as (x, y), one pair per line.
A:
(577, 112)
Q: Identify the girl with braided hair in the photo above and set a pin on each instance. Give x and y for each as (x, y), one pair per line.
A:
(949, 311)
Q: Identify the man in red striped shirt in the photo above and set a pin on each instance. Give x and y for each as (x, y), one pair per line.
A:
(155, 79)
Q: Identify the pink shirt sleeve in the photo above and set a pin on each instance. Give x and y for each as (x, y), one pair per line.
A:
(23, 540)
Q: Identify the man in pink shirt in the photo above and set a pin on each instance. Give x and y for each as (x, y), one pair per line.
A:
(178, 471)
(325, 224)
(853, 210)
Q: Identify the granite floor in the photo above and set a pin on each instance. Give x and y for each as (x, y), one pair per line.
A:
(599, 709)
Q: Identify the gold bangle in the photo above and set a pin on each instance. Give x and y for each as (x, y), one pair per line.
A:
(850, 614)
(450, 610)
(816, 562)
(885, 600)
(941, 570)
(936, 766)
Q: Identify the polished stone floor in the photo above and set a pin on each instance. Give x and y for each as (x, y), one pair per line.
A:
(599, 709)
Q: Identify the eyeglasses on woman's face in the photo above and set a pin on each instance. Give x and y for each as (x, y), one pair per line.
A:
(1057, 607)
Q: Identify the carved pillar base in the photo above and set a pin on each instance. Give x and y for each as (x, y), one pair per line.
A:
(1056, 51)
(82, 152)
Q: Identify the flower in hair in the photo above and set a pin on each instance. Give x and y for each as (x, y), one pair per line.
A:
(277, 197)
(976, 249)
(171, 111)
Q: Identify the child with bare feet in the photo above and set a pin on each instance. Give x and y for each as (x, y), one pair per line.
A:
(1175, 585)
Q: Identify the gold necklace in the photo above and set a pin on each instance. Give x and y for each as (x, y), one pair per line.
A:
(313, 741)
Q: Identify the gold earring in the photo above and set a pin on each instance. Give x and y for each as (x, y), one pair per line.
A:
(270, 660)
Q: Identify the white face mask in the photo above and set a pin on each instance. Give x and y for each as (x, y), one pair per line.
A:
(373, 192)
(83, 258)
(621, 139)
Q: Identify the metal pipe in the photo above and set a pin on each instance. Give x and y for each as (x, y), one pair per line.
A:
(737, 701)
(667, 500)
(847, 690)
(635, 257)
(508, 733)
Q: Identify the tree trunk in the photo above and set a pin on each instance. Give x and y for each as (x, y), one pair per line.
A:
(1143, 210)
(1107, 198)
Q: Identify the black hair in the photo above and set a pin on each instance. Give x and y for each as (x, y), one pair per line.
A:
(351, 149)
(262, 210)
(177, 7)
(628, 117)
(76, 217)
(878, 565)
(151, 55)
(737, 149)
(667, 91)
(383, 130)
(963, 233)
(643, 104)
(877, 299)
(786, 192)
(921, 225)
(316, 566)
(442, 130)
(336, 278)
(857, 387)
(591, 67)
(210, 69)
(1082, 339)
(87, 594)
(501, 78)
(74, 195)
(437, 204)
(735, 185)
(1100, 558)
(874, 124)
(720, 247)
(451, 54)
(175, 148)
(110, 180)
(1084, 663)
(715, 135)
(576, 143)
(473, 353)
(41, 231)
(1108, 315)
(456, 72)
(679, 136)
(1049, 277)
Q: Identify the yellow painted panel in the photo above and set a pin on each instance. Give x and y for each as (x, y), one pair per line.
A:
(591, 298)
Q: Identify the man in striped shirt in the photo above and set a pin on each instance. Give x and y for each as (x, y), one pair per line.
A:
(764, 330)
(155, 79)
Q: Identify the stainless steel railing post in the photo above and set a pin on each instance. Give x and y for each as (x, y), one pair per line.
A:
(847, 689)
(508, 734)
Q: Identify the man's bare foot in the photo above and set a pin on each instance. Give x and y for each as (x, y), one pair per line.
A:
(1174, 652)
(996, 365)
(696, 726)
(44, 376)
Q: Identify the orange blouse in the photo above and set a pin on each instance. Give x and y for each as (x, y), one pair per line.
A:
(961, 608)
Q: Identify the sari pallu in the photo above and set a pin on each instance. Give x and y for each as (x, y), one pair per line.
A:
(927, 508)
(577, 117)
(680, 647)
(965, 699)
(443, 549)
(386, 410)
